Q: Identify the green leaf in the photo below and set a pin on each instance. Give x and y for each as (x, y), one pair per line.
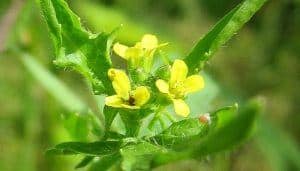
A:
(221, 117)
(92, 149)
(105, 162)
(224, 134)
(221, 33)
(84, 162)
(180, 132)
(230, 134)
(138, 156)
(75, 47)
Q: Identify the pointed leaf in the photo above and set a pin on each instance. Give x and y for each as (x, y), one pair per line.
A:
(221, 33)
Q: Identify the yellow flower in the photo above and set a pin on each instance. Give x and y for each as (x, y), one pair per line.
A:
(125, 97)
(145, 48)
(179, 86)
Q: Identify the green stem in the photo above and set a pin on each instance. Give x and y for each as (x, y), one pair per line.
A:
(132, 123)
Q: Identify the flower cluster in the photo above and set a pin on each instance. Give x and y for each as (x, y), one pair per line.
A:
(141, 56)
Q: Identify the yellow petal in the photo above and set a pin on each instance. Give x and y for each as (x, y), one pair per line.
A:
(181, 108)
(140, 95)
(120, 50)
(114, 101)
(193, 83)
(162, 86)
(120, 82)
(149, 42)
(133, 52)
(179, 71)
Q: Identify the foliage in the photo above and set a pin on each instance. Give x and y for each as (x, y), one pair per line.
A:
(90, 55)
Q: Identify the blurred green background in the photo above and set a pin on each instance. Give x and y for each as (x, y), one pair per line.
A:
(263, 59)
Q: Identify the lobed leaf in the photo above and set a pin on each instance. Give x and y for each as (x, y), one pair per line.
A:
(221, 33)
(77, 48)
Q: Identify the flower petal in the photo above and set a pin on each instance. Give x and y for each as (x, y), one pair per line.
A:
(181, 108)
(120, 82)
(162, 86)
(193, 83)
(114, 101)
(149, 42)
(133, 52)
(140, 95)
(120, 50)
(179, 72)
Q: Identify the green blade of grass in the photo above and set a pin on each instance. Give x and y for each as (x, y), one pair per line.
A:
(53, 85)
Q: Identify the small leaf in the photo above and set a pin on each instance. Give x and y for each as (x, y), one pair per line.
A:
(92, 149)
(221, 33)
(84, 162)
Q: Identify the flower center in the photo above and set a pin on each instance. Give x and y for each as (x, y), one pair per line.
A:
(178, 90)
(131, 101)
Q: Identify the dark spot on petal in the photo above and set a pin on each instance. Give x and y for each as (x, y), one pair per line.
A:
(131, 101)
